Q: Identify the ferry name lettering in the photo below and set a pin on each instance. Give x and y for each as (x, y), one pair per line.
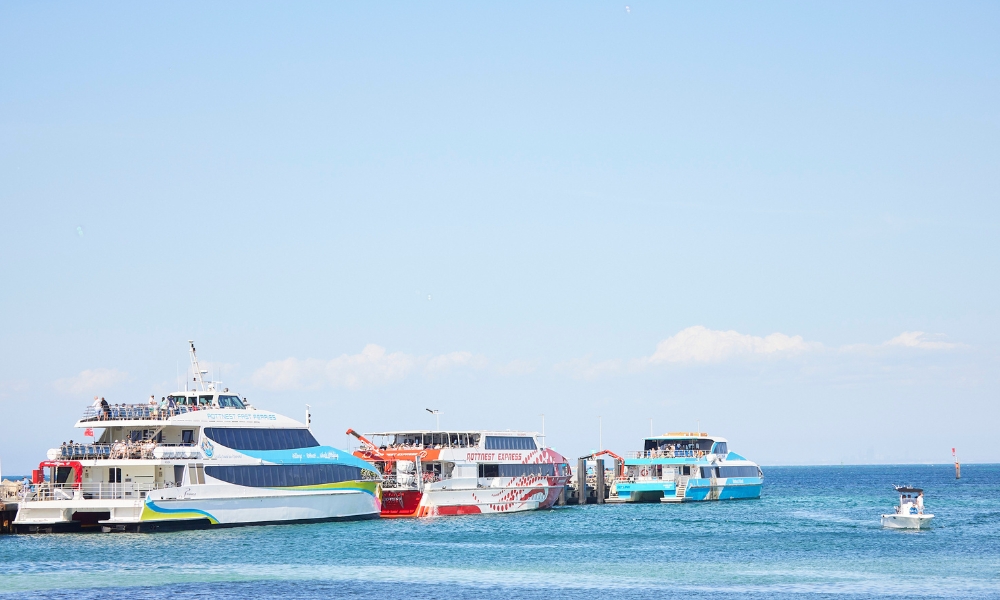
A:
(509, 456)
(479, 456)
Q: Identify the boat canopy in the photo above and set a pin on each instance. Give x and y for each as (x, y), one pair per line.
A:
(902, 489)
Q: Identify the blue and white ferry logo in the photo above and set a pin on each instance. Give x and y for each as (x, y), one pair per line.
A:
(207, 448)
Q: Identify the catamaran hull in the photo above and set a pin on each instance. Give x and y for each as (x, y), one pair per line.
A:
(696, 490)
(156, 513)
(518, 497)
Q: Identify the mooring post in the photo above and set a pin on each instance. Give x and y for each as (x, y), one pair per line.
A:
(600, 480)
(562, 496)
(581, 481)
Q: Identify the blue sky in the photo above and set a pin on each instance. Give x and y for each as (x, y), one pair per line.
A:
(779, 220)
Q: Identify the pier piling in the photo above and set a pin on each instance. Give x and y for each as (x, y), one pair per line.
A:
(599, 471)
(581, 481)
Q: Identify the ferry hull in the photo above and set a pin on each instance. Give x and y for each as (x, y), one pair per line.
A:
(516, 496)
(696, 490)
(219, 507)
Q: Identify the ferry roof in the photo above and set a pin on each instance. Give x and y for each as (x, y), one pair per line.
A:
(455, 431)
(908, 490)
(209, 417)
(688, 435)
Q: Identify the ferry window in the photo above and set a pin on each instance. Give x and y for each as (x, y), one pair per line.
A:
(240, 438)
(741, 471)
(204, 400)
(178, 474)
(230, 402)
(537, 470)
(496, 442)
(284, 475)
(187, 436)
(114, 475)
(721, 448)
(489, 470)
(178, 400)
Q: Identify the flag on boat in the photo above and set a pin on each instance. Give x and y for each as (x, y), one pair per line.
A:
(89, 431)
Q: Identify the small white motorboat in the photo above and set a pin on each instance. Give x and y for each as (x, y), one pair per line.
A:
(910, 512)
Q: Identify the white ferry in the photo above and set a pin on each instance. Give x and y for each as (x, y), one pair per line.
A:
(685, 467)
(435, 473)
(196, 459)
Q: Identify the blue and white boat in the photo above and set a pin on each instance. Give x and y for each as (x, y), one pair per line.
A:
(686, 467)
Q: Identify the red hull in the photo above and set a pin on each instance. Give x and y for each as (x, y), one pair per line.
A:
(400, 503)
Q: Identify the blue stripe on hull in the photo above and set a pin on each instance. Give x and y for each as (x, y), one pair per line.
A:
(698, 490)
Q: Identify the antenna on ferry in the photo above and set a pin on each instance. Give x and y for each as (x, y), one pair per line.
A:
(437, 416)
(543, 429)
(309, 418)
(197, 369)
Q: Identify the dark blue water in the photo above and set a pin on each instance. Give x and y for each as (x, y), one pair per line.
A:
(815, 533)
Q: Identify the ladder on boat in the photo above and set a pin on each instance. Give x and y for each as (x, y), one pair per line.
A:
(680, 487)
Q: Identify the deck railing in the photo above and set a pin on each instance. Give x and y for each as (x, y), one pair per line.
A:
(117, 450)
(138, 412)
(89, 491)
(666, 454)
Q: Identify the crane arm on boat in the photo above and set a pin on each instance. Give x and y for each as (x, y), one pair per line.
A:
(620, 460)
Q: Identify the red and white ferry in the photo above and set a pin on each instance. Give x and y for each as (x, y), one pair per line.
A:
(431, 473)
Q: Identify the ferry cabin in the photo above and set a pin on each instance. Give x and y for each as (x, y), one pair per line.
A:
(194, 459)
(686, 466)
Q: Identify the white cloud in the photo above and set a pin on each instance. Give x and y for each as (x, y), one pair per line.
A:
(702, 345)
(915, 339)
(516, 367)
(372, 366)
(586, 368)
(90, 381)
(907, 339)
(454, 359)
(694, 345)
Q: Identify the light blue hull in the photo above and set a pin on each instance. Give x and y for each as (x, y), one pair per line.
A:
(698, 490)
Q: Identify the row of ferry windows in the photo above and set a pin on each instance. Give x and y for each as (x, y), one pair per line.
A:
(537, 470)
(241, 438)
(695, 445)
(206, 401)
(284, 475)
(463, 440)
(720, 472)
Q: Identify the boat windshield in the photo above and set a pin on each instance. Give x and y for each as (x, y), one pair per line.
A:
(677, 445)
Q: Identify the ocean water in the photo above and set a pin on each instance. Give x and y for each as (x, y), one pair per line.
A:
(814, 533)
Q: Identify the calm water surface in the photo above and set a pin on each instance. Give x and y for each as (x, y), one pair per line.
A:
(814, 533)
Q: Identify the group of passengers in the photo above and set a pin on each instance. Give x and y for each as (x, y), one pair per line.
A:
(119, 448)
(153, 409)
(417, 443)
(671, 451)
